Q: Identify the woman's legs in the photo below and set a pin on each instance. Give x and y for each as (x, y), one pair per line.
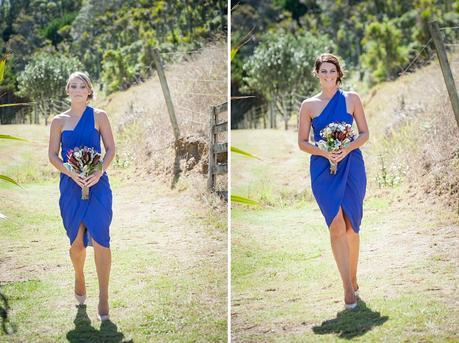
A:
(78, 256)
(103, 258)
(353, 240)
(340, 250)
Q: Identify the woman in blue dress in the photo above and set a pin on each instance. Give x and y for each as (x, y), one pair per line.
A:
(339, 196)
(87, 222)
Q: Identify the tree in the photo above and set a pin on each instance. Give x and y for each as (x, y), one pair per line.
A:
(52, 31)
(44, 79)
(281, 66)
(384, 54)
(25, 40)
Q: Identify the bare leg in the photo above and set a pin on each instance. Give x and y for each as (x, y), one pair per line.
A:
(103, 258)
(77, 253)
(353, 240)
(341, 253)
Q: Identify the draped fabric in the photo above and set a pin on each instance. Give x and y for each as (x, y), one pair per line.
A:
(96, 212)
(346, 188)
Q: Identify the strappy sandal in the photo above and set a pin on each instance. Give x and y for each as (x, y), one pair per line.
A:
(102, 317)
(80, 298)
(353, 305)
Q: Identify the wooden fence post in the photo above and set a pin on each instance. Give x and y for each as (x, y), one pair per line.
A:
(446, 70)
(212, 161)
(166, 92)
(215, 148)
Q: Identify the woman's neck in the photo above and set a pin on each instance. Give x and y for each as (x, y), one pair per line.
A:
(327, 93)
(77, 108)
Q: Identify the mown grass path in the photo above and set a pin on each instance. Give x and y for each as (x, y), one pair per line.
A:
(285, 284)
(168, 278)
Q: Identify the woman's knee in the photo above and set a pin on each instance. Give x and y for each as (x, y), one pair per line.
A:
(99, 247)
(77, 247)
(337, 230)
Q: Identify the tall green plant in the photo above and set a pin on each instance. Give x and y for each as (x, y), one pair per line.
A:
(238, 198)
(384, 54)
(4, 177)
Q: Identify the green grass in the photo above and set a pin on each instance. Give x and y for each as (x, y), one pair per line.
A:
(154, 296)
(279, 178)
(286, 287)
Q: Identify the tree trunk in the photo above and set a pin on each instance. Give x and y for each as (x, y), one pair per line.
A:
(223, 11)
(283, 111)
(265, 112)
(189, 18)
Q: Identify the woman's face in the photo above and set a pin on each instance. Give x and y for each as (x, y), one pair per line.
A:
(328, 75)
(77, 90)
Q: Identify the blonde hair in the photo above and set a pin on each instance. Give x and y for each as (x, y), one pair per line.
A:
(330, 58)
(85, 78)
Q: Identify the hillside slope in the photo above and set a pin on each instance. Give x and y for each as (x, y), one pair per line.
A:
(142, 125)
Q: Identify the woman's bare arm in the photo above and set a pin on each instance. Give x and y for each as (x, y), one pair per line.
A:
(361, 122)
(107, 138)
(303, 133)
(54, 145)
(53, 151)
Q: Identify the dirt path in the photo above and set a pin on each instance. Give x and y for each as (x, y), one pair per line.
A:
(168, 279)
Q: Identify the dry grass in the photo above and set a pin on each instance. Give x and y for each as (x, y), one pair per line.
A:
(142, 123)
(415, 138)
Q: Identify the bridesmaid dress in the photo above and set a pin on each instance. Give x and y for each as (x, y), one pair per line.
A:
(345, 189)
(96, 212)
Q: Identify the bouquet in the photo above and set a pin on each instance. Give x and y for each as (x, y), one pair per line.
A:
(85, 161)
(336, 136)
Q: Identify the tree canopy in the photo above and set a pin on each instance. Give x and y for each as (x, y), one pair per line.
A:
(112, 40)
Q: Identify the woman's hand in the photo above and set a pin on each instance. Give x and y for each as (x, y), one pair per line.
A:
(340, 154)
(330, 155)
(92, 179)
(79, 180)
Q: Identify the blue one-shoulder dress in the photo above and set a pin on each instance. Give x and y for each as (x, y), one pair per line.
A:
(346, 188)
(96, 212)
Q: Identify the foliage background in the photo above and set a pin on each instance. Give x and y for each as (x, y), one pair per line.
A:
(376, 40)
(111, 40)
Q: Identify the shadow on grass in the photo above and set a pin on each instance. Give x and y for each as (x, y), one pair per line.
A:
(84, 332)
(7, 327)
(351, 323)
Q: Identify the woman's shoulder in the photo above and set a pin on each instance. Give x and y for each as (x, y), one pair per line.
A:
(310, 105)
(99, 113)
(310, 102)
(351, 95)
(60, 119)
(312, 99)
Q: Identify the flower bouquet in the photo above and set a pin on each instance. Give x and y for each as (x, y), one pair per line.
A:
(85, 161)
(336, 136)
